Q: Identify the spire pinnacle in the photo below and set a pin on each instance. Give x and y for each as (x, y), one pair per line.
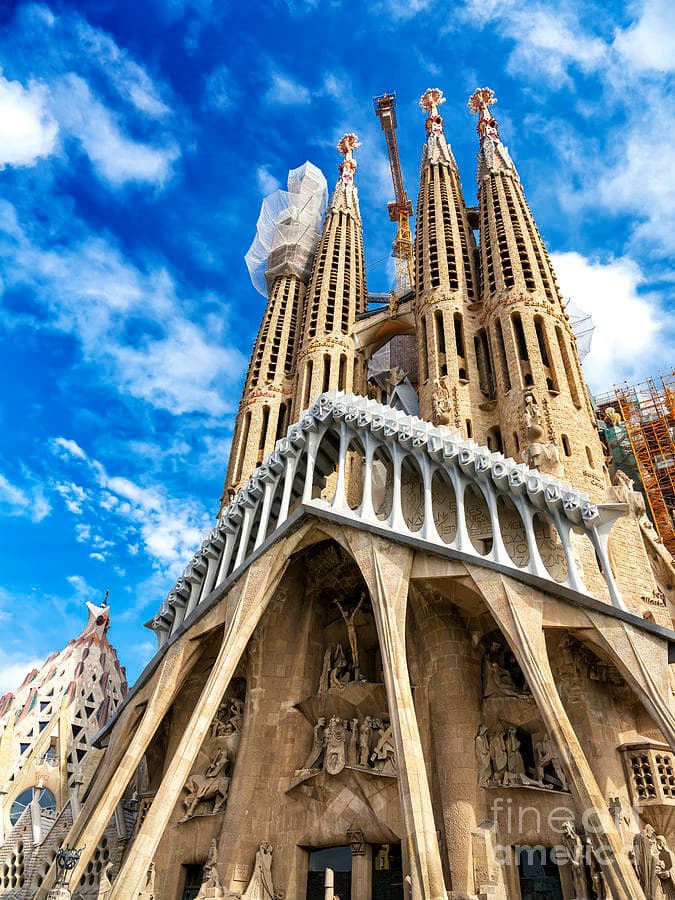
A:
(346, 145)
(436, 149)
(493, 154)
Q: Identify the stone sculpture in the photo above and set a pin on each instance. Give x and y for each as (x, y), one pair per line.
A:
(106, 883)
(212, 783)
(364, 742)
(612, 417)
(665, 867)
(540, 455)
(339, 673)
(597, 877)
(261, 886)
(482, 748)
(315, 758)
(147, 892)
(515, 767)
(350, 618)
(353, 745)
(575, 854)
(335, 746)
(546, 753)
(325, 670)
(498, 755)
(498, 681)
(211, 888)
(440, 401)
(646, 860)
(383, 756)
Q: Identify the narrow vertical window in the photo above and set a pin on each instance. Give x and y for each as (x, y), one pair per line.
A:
(502, 356)
(308, 383)
(571, 383)
(424, 365)
(242, 445)
(342, 374)
(326, 374)
(486, 379)
(263, 427)
(281, 422)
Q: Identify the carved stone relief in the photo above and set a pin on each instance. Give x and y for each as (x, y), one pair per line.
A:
(208, 787)
(500, 762)
(261, 886)
(501, 673)
(211, 888)
(366, 744)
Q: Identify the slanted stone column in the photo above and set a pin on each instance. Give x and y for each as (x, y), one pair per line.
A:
(518, 610)
(386, 569)
(257, 586)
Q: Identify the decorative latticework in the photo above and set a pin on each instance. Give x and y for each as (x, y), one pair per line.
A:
(650, 770)
(648, 412)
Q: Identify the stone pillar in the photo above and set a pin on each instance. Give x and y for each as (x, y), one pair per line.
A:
(518, 610)
(386, 569)
(254, 594)
(362, 870)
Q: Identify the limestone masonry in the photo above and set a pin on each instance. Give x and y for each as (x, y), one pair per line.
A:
(425, 651)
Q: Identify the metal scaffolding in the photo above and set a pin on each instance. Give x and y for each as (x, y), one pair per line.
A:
(648, 413)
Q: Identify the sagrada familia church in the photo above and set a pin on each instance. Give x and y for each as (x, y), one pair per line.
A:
(425, 651)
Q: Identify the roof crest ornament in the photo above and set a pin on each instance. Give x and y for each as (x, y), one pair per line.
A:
(347, 168)
(493, 156)
(436, 148)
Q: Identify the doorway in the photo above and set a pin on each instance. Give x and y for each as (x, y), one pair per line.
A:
(339, 859)
(193, 881)
(387, 877)
(539, 878)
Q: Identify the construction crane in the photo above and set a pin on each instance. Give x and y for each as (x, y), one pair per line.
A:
(400, 210)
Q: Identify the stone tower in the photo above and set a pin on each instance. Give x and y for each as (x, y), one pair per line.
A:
(47, 758)
(419, 656)
(284, 248)
(446, 282)
(525, 348)
(327, 359)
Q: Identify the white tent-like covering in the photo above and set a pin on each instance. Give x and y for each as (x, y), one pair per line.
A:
(288, 228)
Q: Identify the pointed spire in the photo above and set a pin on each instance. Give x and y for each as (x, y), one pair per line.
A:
(436, 149)
(345, 191)
(493, 155)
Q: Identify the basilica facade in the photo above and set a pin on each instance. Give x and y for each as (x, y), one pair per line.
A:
(425, 651)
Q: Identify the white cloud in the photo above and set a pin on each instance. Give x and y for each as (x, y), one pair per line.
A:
(548, 40)
(168, 529)
(628, 342)
(267, 183)
(287, 92)
(220, 91)
(116, 157)
(13, 669)
(71, 448)
(648, 43)
(28, 500)
(129, 322)
(29, 131)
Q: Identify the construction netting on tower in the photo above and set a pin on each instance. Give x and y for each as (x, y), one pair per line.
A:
(582, 325)
(648, 412)
(288, 228)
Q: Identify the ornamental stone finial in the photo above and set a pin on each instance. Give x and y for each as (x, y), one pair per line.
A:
(346, 145)
(431, 99)
(479, 102)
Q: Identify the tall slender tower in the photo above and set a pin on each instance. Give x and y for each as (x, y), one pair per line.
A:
(327, 359)
(286, 236)
(526, 347)
(446, 281)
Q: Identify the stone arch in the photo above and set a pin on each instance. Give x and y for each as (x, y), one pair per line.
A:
(412, 493)
(444, 505)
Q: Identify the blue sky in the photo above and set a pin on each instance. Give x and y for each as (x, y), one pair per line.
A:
(136, 143)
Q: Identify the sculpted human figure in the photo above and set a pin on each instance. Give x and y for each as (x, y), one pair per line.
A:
(575, 854)
(105, 885)
(261, 887)
(350, 618)
(597, 877)
(325, 671)
(335, 746)
(515, 767)
(339, 674)
(211, 888)
(364, 742)
(315, 757)
(440, 401)
(497, 680)
(353, 746)
(545, 752)
(646, 860)
(665, 867)
(499, 755)
(483, 760)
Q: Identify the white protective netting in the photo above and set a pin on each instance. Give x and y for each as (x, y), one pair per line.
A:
(582, 325)
(289, 224)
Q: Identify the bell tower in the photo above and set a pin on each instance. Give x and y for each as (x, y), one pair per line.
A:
(327, 358)
(526, 348)
(445, 282)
